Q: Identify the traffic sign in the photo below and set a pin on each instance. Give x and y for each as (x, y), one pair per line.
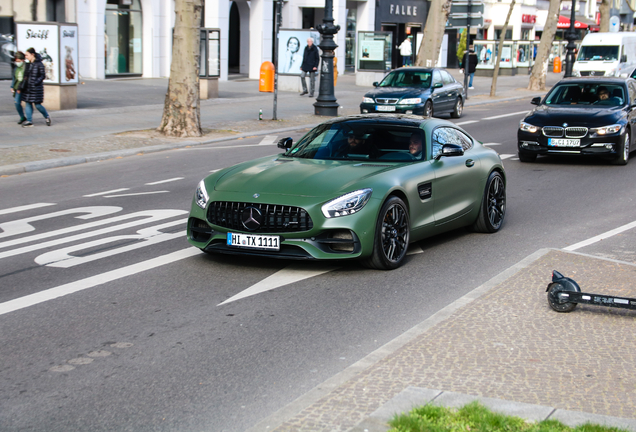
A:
(462, 7)
(462, 22)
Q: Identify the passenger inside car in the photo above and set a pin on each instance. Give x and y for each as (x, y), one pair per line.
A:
(604, 97)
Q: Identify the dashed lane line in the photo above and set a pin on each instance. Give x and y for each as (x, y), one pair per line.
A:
(164, 181)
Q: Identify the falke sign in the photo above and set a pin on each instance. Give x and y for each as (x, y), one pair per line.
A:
(407, 11)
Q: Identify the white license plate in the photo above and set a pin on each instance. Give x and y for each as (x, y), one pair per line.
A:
(564, 142)
(253, 241)
(384, 108)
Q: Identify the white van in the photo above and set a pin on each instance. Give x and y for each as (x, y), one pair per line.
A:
(606, 54)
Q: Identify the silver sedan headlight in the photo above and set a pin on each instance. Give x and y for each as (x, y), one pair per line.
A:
(347, 204)
(412, 101)
(201, 195)
(367, 100)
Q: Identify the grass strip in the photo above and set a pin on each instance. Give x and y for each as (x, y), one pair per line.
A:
(475, 417)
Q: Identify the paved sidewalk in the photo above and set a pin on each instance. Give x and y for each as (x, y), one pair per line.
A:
(501, 344)
(118, 118)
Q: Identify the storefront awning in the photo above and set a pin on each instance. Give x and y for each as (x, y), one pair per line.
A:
(564, 23)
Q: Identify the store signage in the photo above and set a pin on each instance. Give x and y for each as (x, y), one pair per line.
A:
(528, 19)
(57, 45)
(406, 11)
(398, 9)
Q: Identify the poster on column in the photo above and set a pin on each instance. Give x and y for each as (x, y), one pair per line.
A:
(44, 39)
(68, 55)
(291, 46)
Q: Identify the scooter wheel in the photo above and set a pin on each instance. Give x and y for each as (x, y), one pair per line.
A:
(553, 299)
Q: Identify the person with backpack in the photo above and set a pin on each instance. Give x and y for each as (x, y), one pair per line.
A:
(34, 90)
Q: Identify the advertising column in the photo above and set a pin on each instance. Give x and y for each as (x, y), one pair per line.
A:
(57, 45)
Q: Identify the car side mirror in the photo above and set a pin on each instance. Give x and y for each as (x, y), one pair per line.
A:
(375, 84)
(438, 85)
(285, 143)
(536, 100)
(450, 150)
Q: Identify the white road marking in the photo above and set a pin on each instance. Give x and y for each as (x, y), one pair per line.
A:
(147, 216)
(145, 237)
(466, 122)
(21, 226)
(105, 192)
(506, 156)
(164, 181)
(506, 115)
(93, 281)
(600, 237)
(491, 144)
(286, 276)
(268, 140)
(24, 208)
(135, 194)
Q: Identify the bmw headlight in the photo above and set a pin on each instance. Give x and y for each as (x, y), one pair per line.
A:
(367, 100)
(527, 127)
(606, 130)
(412, 101)
(201, 195)
(347, 204)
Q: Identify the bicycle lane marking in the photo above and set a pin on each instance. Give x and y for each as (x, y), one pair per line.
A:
(600, 237)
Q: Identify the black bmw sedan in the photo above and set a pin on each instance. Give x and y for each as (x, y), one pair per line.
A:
(419, 91)
(581, 116)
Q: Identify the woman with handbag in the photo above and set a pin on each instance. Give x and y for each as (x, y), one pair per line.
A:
(34, 91)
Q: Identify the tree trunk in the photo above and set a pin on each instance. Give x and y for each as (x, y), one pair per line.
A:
(181, 111)
(493, 86)
(540, 68)
(604, 9)
(433, 33)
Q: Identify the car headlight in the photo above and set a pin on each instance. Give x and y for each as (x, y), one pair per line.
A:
(606, 130)
(611, 72)
(527, 127)
(367, 100)
(347, 204)
(412, 101)
(201, 195)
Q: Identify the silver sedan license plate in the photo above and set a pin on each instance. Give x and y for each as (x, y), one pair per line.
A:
(564, 142)
(253, 241)
(384, 108)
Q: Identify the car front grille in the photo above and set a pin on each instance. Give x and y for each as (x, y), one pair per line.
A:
(568, 132)
(275, 218)
(386, 101)
(592, 73)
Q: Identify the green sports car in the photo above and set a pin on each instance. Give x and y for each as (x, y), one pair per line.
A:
(360, 187)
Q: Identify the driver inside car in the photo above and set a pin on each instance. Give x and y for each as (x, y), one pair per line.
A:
(358, 143)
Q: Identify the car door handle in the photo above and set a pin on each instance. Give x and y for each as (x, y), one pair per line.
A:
(470, 163)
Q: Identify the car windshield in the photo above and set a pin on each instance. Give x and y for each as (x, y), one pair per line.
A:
(586, 94)
(593, 52)
(415, 79)
(363, 140)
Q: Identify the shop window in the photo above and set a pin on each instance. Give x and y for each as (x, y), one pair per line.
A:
(55, 10)
(123, 37)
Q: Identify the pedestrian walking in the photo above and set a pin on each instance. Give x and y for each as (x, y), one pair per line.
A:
(311, 61)
(472, 66)
(17, 83)
(406, 51)
(34, 89)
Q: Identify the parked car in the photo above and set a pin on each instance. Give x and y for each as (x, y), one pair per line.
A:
(581, 116)
(419, 91)
(360, 187)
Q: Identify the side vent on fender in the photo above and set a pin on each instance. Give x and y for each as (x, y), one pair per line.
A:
(425, 190)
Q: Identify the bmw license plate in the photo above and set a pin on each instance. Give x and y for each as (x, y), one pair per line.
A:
(253, 241)
(385, 108)
(564, 142)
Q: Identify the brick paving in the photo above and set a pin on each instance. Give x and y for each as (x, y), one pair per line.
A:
(509, 344)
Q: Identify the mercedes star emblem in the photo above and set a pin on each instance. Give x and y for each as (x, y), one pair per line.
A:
(252, 218)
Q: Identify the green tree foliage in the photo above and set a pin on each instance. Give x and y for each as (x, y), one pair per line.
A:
(461, 47)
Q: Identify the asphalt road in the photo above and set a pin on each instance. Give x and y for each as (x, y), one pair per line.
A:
(110, 321)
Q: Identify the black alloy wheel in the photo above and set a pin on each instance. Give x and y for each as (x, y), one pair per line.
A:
(623, 150)
(391, 236)
(493, 205)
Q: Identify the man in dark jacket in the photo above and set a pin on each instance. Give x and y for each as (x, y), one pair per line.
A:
(472, 66)
(311, 60)
(34, 91)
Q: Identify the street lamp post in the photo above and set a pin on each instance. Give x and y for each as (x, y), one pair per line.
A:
(570, 36)
(326, 104)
